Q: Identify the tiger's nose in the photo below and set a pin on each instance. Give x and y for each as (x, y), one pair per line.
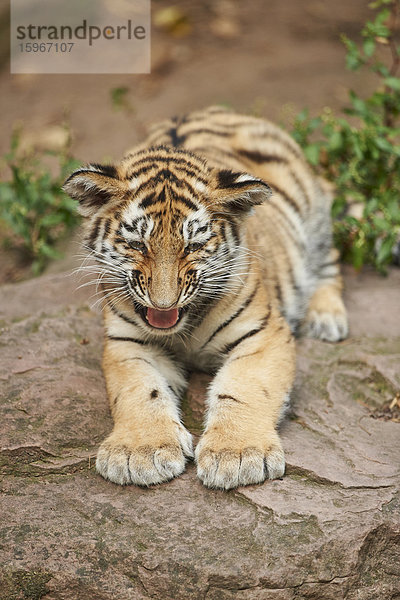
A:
(164, 297)
(160, 305)
(163, 288)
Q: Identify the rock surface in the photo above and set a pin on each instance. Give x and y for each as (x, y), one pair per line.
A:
(329, 530)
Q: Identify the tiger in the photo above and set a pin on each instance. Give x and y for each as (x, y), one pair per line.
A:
(212, 244)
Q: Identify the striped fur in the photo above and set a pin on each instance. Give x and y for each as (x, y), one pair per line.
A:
(212, 247)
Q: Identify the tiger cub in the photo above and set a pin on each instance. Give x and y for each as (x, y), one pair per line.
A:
(212, 242)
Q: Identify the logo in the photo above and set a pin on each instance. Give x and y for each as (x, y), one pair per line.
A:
(53, 36)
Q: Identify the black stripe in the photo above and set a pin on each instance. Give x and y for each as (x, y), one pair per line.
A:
(143, 230)
(217, 153)
(126, 339)
(235, 232)
(107, 227)
(289, 276)
(137, 358)
(121, 240)
(236, 314)
(107, 170)
(162, 175)
(128, 227)
(222, 230)
(186, 202)
(151, 200)
(189, 173)
(170, 158)
(176, 140)
(289, 144)
(287, 226)
(170, 178)
(259, 158)
(301, 187)
(188, 186)
(95, 197)
(148, 201)
(226, 178)
(121, 315)
(287, 198)
(290, 271)
(95, 232)
(207, 130)
(137, 277)
(253, 182)
(115, 400)
(246, 355)
(229, 347)
(278, 291)
(143, 170)
(227, 397)
(331, 263)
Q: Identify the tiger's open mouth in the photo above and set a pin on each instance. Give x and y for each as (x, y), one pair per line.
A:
(160, 319)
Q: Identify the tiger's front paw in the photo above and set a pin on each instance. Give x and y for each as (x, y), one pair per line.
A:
(326, 326)
(327, 317)
(227, 467)
(123, 462)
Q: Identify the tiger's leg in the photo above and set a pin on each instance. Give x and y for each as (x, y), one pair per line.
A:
(148, 444)
(326, 317)
(246, 400)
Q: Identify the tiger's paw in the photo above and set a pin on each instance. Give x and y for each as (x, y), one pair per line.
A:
(326, 318)
(123, 462)
(326, 326)
(226, 468)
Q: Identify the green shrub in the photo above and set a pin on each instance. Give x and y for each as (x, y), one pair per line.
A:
(32, 205)
(359, 150)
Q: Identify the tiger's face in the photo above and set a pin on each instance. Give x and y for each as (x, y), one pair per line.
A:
(166, 231)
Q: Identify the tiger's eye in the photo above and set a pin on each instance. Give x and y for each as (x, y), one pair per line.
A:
(139, 246)
(193, 247)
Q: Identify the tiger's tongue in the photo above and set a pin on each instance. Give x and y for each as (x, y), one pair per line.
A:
(163, 319)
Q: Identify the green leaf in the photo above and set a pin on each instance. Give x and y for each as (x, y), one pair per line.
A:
(393, 210)
(312, 153)
(302, 116)
(369, 47)
(49, 252)
(392, 82)
(385, 250)
(380, 223)
(33, 205)
(384, 144)
(359, 105)
(335, 141)
(358, 252)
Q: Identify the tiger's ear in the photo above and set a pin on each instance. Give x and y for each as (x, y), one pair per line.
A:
(238, 192)
(93, 186)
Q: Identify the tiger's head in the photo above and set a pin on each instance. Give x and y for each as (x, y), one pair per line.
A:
(166, 232)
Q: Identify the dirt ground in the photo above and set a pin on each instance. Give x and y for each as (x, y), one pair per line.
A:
(268, 57)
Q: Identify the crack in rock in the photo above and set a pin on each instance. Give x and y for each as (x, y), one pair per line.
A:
(314, 478)
(23, 462)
